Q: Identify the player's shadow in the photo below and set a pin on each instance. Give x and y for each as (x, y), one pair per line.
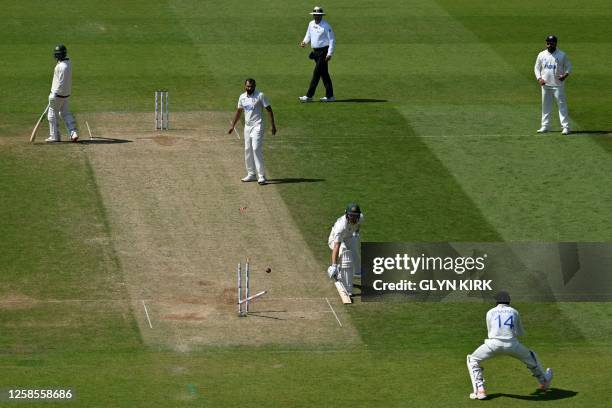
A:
(361, 100)
(103, 140)
(258, 314)
(591, 132)
(549, 395)
(294, 180)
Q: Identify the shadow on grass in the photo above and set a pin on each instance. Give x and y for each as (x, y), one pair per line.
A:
(550, 395)
(97, 140)
(592, 132)
(104, 140)
(293, 180)
(257, 314)
(361, 100)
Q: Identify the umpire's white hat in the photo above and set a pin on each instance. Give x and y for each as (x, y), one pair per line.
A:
(317, 11)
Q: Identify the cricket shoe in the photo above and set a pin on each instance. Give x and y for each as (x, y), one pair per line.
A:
(326, 99)
(52, 139)
(305, 99)
(262, 181)
(479, 395)
(74, 137)
(548, 376)
(248, 178)
(566, 131)
(543, 129)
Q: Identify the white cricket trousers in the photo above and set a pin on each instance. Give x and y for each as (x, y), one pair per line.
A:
(349, 258)
(253, 151)
(59, 106)
(558, 93)
(494, 347)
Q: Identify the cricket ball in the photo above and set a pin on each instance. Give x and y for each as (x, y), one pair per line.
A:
(268, 270)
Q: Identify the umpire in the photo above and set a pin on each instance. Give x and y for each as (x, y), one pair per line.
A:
(322, 40)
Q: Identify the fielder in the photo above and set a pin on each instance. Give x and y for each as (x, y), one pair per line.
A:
(61, 88)
(252, 103)
(551, 70)
(345, 244)
(504, 326)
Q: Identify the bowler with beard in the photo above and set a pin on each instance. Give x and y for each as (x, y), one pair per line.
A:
(252, 103)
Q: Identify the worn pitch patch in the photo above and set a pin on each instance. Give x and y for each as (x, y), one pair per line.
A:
(176, 204)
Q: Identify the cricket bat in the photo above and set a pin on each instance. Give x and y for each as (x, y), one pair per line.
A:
(33, 136)
(346, 299)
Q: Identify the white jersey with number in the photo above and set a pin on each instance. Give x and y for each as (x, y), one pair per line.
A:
(550, 66)
(253, 106)
(62, 78)
(504, 323)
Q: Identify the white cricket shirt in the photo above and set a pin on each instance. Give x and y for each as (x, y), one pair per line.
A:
(62, 78)
(504, 323)
(320, 35)
(343, 229)
(253, 107)
(550, 66)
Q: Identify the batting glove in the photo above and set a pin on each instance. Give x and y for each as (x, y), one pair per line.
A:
(332, 271)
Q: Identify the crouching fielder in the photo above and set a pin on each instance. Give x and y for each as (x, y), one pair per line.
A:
(345, 245)
(504, 326)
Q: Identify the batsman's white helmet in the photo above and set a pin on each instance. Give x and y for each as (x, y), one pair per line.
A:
(318, 11)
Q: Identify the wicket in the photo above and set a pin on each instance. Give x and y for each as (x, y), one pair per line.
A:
(162, 120)
(244, 292)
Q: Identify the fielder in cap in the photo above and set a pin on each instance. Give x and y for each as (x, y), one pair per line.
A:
(252, 103)
(345, 244)
(322, 40)
(504, 326)
(61, 88)
(551, 70)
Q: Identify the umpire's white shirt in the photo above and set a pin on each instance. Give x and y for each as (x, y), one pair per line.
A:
(62, 78)
(550, 66)
(320, 35)
(253, 106)
(504, 323)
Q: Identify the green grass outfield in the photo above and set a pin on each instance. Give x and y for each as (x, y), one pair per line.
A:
(448, 153)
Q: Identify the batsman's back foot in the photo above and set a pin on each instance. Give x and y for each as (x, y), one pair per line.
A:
(548, 376)
(479, 395)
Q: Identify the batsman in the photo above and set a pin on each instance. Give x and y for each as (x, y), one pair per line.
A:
(345, 244)
(61, 87)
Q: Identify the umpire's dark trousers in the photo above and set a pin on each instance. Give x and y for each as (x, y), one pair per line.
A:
(320, 72)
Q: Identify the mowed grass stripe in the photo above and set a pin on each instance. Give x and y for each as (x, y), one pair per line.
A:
(55, 246)
(309, 379)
